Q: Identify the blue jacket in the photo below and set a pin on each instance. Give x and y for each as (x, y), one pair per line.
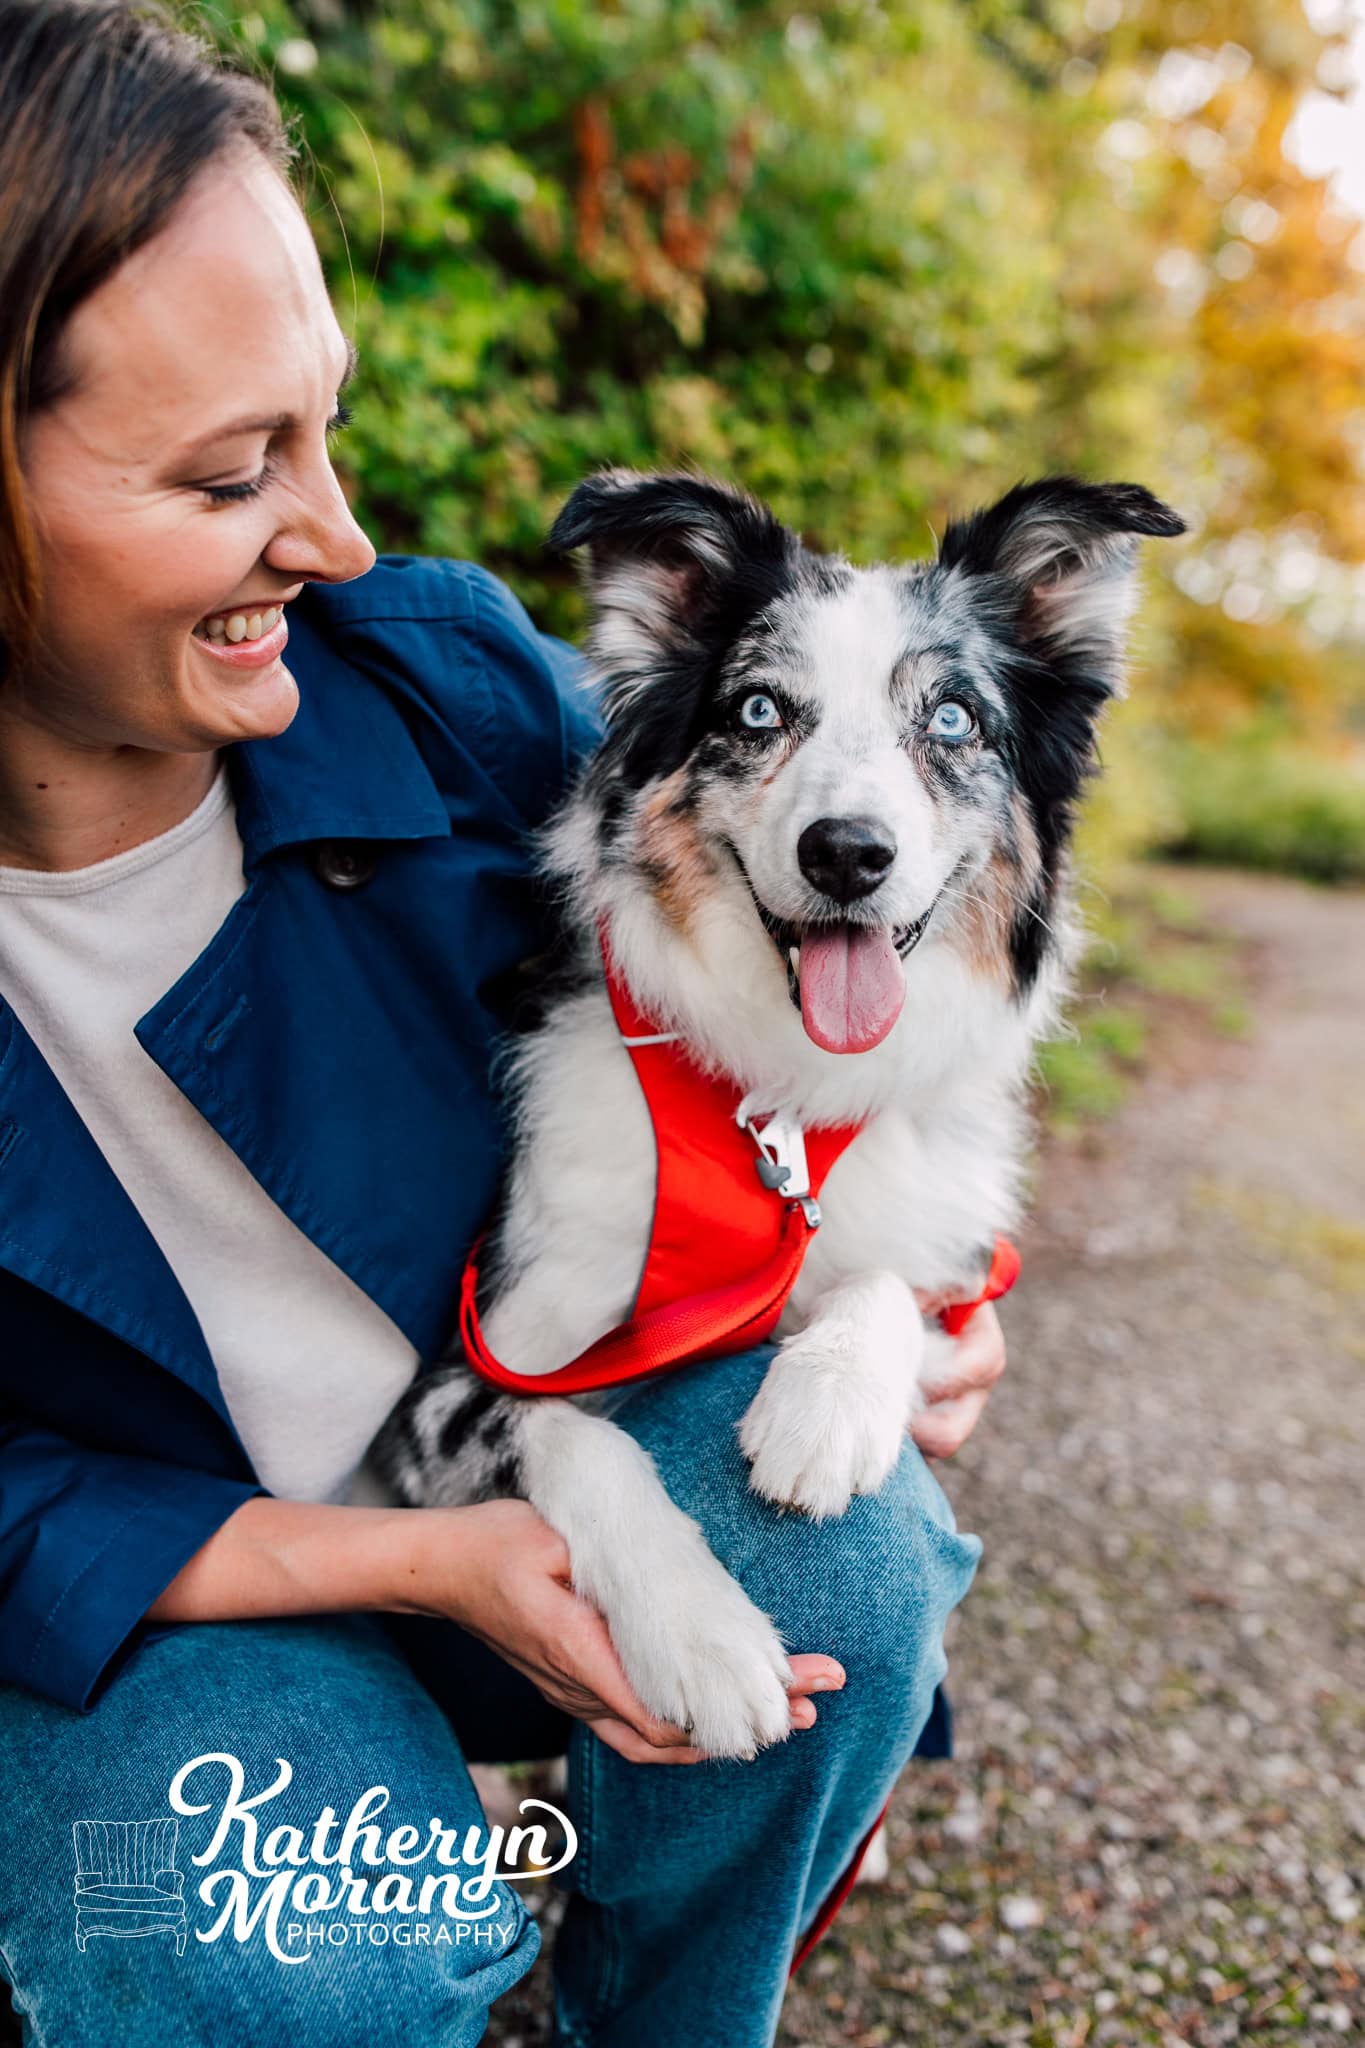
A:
(336, 1032)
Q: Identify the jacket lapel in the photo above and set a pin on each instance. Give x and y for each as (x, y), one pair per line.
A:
(338, 1079)
(67, 1226)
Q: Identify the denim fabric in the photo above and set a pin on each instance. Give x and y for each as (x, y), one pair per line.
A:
(692, 1884)
(330, 1695)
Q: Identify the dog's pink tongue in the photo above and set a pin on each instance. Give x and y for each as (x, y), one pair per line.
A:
(852, 987)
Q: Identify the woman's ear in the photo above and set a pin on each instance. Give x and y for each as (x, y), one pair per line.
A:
(1061, 557)
(674, 564)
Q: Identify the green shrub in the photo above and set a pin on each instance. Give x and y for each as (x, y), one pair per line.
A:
(1253, 804)
(810, 251)
(1085, 1077)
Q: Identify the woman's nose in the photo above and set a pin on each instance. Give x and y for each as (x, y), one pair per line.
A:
(323, 543)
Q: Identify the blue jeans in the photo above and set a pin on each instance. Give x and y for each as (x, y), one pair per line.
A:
(691, 1887)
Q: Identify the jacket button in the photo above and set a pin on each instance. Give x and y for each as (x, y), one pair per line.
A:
(345, 863)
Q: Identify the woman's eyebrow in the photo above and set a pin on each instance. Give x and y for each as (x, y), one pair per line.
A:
(272, 423)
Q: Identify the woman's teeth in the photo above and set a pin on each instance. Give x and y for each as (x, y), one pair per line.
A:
(238, 625)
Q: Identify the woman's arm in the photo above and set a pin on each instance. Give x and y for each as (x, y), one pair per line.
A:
(275, 1557)
(496, 1569)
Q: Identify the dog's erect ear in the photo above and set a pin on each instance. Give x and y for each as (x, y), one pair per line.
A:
(676, 565)
(1062, 555)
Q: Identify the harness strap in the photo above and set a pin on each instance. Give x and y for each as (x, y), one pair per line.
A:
(703, 1326)
(1005, 1267)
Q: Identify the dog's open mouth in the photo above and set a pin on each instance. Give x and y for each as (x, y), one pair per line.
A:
(847, 980)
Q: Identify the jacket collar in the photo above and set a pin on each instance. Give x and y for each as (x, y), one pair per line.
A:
(346, 767)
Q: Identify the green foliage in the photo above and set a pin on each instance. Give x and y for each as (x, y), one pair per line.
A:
(1255, 803)
(875, 260)
(1085, 1078)
(1153, 965)
(808, 251)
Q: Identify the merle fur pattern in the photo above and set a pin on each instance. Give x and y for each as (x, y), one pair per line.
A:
(685, 837)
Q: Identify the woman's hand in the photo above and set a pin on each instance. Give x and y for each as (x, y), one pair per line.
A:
(503, 1574)
(955, 1408)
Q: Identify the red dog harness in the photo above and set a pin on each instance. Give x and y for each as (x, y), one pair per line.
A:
(736, 1204)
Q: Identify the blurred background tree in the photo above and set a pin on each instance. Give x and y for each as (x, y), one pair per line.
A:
(875, 260)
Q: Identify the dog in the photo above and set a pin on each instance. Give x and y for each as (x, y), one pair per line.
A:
(827, 835)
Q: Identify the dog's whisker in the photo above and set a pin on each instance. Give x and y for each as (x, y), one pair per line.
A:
(966, 895)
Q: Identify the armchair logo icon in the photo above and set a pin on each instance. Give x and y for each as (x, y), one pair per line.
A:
(127, 1882)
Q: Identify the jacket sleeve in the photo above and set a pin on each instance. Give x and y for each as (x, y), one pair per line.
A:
(88, 1540)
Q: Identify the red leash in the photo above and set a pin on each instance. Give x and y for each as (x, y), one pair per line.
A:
(703, 1326)
(1005, 1267)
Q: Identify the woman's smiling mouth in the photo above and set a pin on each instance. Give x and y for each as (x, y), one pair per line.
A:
(243, 639)
(239, 625)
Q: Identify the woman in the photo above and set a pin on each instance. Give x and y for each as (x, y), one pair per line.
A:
(258, 920)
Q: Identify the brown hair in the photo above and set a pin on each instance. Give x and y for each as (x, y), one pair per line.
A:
(107, 111)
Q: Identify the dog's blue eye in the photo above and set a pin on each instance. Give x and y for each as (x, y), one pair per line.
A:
(951, 722)
(760, 714)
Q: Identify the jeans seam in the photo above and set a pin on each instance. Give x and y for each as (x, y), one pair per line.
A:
(609, 1969)
(37, 2037)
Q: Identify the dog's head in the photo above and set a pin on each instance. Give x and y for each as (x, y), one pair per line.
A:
(873, 751)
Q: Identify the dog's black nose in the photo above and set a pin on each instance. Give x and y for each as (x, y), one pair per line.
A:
(845, 857)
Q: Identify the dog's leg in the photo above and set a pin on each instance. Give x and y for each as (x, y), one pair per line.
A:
(693, 1645)
(830, 1416)
(451, 1440)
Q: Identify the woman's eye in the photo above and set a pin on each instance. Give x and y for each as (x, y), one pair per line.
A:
(759, 714)
(951, 722)
(252, 486)
(230, 494)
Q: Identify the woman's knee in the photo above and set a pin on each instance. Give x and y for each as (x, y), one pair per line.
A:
(873, 1587)
(308, 1807)
(384, 1985)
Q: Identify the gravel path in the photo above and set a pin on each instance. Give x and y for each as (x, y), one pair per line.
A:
(1154, 1831)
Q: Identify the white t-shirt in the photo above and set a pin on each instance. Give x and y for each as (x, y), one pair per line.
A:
(308, 1364)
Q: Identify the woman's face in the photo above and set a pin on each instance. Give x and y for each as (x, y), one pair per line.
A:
(183, 488)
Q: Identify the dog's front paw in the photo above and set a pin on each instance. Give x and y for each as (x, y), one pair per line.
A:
(698, 1651)
(820, 1430)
